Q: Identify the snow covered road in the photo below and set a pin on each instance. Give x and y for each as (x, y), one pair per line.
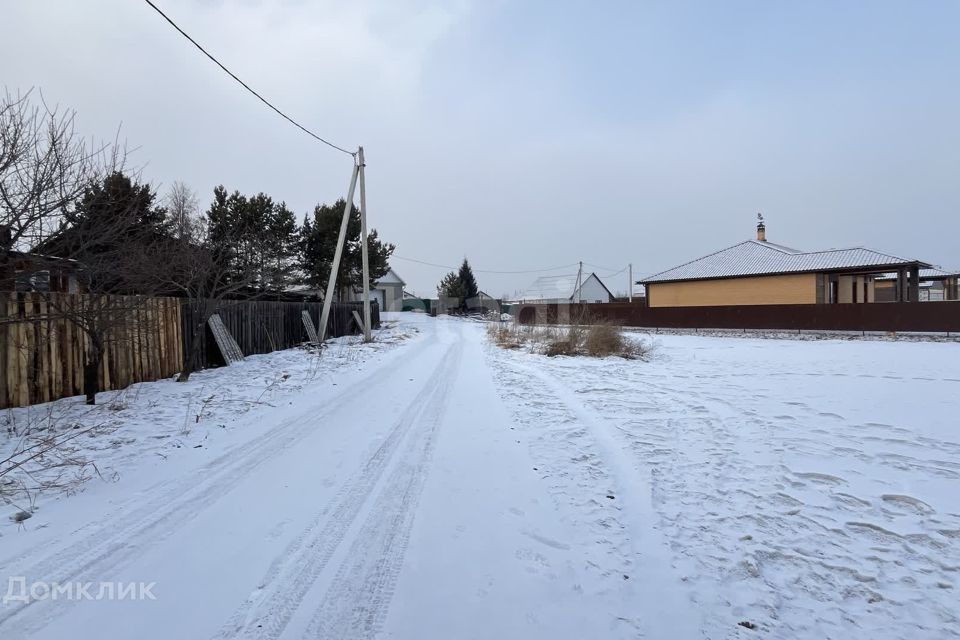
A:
(448, 489)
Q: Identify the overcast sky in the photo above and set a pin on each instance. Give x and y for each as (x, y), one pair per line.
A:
(531, 134)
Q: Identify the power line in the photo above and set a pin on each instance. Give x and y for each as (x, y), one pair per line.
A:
(616, 273)
(245, 85)
(602, 268)
(443, 266)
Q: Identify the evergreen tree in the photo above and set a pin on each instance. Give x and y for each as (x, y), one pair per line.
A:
(118, 200)
(318, 243)
(256, 237)
(115, 220)
(459, 285)
(451, 287)
(468, 281)
(283, 239)
(226, 235)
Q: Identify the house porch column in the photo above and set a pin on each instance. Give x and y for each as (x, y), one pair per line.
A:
(914, 283)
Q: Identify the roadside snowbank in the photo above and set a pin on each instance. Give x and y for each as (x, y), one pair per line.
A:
(148, 422)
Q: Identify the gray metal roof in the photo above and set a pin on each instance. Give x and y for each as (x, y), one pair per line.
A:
(925, 274)
(556, 287)
(754, 257)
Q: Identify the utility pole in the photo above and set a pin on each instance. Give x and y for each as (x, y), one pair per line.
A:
(580, 282)
(629, 280)
(364, 250)
(335, 267)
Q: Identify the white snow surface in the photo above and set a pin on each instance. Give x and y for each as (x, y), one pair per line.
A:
(432, 485)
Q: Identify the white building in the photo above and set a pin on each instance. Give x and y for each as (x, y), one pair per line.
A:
(388, 292)
(563, 289)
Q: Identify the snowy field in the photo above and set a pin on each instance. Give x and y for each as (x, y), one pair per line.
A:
(432, 485)
(809, 488)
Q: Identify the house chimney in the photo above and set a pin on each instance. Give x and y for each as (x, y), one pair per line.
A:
(761, 228)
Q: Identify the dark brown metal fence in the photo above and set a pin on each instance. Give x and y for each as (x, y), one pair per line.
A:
(893, 316)
(265, 326)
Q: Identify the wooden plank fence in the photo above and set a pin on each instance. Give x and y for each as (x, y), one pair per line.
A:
(42, 352)
(262, 326)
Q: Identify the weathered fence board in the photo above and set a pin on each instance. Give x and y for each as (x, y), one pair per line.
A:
(229, 348)
(310, 327)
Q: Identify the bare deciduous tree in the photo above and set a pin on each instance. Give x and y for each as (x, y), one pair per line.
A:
(44, 167)
(207, 278)
(182, 209)
(46, 170)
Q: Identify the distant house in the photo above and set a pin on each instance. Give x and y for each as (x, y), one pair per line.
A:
(33, 272)
(936, 285)
(563, 289)
(388, 292)
(758, 272)
(483, 302)
(26, 271)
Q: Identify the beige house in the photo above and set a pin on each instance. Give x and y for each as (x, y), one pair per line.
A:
(758, 272)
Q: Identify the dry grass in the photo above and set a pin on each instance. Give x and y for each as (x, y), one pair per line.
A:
(504, 335)
(44, 457)
(595, 340)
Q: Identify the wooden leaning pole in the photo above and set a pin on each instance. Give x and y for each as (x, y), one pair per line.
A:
(357, 173)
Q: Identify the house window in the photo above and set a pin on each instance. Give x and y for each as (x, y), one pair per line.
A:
(855, 291)
(866, 296)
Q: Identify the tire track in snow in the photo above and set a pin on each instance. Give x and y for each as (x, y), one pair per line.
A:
(108, 547)
(293, 574)
(659, 583)
(356, 604)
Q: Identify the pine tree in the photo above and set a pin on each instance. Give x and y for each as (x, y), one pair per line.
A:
(468, 281)
(116, 218)
(451, 287)
(283, 238)
(318, 243)
(255, 236)
(459, 285)
(118, 200)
